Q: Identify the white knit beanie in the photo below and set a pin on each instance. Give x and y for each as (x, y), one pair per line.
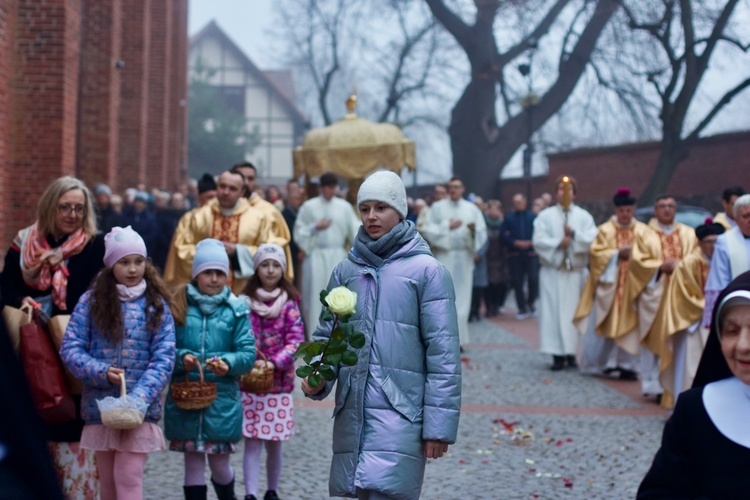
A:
(387, 187)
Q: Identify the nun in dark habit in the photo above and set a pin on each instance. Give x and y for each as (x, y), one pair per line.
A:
(705, 449)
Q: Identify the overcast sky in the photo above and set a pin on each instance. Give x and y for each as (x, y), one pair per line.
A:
(245, 21)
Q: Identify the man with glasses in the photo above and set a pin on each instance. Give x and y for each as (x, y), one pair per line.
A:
(456, 231)
(732, 255)
(662, 249)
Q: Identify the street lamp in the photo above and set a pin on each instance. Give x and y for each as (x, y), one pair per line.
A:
(528, 102)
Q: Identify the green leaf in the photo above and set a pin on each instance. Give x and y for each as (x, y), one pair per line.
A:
(333, 359)
(327, 373)
(304, 371)
(314, 380)
(338, 333)
(326, 314)
(347, 329)
(344, 318)
(337, 348)
(349, 358)
(316, 347)
(323, 295)
(357, 340)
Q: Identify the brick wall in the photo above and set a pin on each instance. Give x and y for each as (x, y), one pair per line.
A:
(67, 109)
(100, 92)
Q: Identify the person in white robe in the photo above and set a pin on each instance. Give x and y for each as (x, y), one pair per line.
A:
(731, 256)
(324, 230)
(562, 240)
(456, 231)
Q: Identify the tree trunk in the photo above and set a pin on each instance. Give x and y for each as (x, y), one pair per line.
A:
(673, 151)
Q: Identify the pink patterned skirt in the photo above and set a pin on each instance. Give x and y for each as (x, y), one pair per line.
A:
(268, 416)
(145, 438)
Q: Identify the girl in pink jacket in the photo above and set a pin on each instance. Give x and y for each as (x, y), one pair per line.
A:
(269, 417)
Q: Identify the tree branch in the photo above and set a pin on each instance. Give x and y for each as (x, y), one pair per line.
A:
(532, 39)
(726, 99)
(451, 22)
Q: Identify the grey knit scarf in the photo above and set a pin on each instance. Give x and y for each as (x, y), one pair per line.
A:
(375, 252)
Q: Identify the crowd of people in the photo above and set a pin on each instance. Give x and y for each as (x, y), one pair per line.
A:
(221, 277)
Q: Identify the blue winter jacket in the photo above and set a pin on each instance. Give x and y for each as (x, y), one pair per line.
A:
(225, 333)
(147, 357)
(406, 385)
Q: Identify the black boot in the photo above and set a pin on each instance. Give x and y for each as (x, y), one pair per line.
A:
(558, 363)
(224, 491)
(571, 359)
(271, 495)
(195, 492)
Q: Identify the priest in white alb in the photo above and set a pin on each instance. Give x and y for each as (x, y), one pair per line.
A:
(456, 231)
(562, 236)
(324, 230)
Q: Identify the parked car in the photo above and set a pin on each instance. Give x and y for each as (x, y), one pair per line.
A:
(687, 214)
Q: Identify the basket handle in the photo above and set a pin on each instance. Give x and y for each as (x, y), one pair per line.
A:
(123, 388)
(200, 372)
(259, 352)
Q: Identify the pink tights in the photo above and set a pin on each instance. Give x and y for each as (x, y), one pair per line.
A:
(195, 466)
(251, 464)
(127, 483)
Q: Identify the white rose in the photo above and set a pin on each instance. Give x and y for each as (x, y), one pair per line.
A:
(341, 300)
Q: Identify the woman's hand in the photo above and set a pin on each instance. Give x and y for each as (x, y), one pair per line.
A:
(310, 390)
(28, 301)
(113, 375)
(435, 449)
(189, 361)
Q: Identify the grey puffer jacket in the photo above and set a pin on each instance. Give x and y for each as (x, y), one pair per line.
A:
(406, 385)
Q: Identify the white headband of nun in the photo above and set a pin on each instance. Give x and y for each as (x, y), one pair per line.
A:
(738, 297)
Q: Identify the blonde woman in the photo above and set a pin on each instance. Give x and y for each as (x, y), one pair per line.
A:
(51, 263)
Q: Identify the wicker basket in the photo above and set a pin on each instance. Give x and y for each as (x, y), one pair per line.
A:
(258, 382)
(125, 416)
(195, 395)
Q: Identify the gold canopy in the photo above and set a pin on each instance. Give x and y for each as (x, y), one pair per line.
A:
(352, 148)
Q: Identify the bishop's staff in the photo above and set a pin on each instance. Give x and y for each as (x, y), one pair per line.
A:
(567, 264)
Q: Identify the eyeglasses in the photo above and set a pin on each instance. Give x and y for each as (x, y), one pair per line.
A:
(66, 209)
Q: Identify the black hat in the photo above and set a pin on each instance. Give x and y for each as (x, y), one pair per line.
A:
(713, 365)
(329, 179)
(206, 183)
(623, 198)
(708, 228)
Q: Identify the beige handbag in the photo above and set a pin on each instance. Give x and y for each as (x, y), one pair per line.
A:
(14, 319)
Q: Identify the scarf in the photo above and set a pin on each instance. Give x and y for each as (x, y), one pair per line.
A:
(207, 303)
(377, 251)
(43, 267)
(131, 293)
(493, 223)
(259, 303)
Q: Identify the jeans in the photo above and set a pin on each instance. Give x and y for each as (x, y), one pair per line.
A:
(523, 267)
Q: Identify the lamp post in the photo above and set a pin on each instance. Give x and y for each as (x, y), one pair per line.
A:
(528, 102)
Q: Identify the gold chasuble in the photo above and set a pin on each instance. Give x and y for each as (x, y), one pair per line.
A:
(244, 226)
(685, 296)
(679, 243)
(613, 299)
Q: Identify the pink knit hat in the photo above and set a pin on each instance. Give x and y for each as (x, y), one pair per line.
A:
(270, 251)
(121, 242)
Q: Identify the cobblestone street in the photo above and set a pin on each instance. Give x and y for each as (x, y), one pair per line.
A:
(525, 432)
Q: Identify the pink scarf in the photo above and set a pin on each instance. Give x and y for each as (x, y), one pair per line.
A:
(262, 298)
(43, 267)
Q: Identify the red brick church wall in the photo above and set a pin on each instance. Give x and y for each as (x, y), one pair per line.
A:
(69, 107)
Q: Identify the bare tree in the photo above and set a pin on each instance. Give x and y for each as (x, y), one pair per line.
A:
(685, 35)
(388, 49)
(482, 145)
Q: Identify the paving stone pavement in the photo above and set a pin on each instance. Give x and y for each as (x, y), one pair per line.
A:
(525, 432)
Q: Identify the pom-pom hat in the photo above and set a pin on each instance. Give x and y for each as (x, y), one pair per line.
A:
(270, 251)
(386, 187)
(210, 254)
(121, 242)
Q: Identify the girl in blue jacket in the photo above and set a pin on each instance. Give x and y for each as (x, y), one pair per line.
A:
(213, 329)
(122, 326)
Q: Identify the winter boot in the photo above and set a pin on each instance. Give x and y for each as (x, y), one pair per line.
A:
(224, 491)
(571, 359)
(195, 492)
